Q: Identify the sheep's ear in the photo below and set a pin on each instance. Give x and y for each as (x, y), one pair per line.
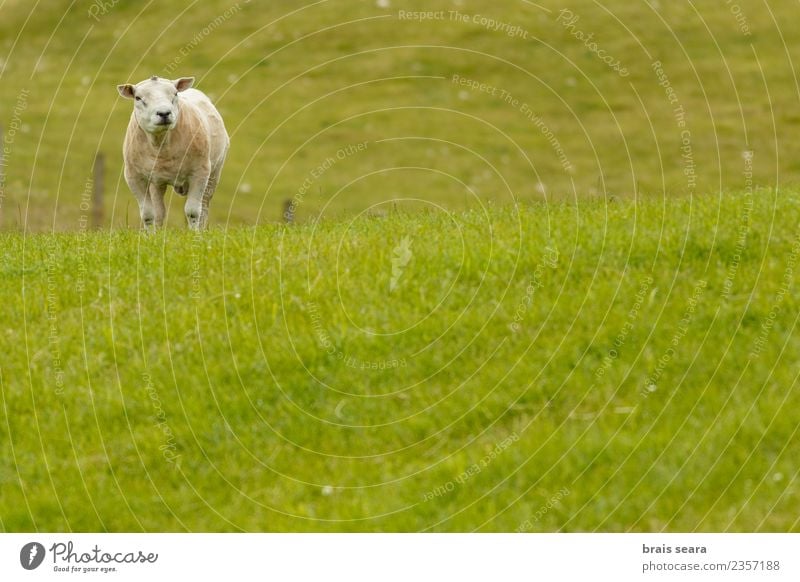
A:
(183, 83)
(126, 90)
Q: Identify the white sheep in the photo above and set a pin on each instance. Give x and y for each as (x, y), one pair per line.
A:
(175, 137)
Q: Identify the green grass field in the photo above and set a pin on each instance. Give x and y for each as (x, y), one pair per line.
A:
(542, 276)
(614, 366)
(298, 82)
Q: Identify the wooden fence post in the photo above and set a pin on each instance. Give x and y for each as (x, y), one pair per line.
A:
(288, 211)
(99, 189)
(2, 176)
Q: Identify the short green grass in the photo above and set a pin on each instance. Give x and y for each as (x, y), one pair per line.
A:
(591, 366)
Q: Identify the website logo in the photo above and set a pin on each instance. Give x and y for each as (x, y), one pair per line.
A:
(403, 255)
(31, 555)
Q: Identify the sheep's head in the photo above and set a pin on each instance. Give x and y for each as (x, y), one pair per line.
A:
(156, 102)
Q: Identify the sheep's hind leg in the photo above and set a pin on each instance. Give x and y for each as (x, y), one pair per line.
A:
(211, 186)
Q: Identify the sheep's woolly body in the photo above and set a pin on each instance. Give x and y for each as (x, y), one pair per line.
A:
(187, 153)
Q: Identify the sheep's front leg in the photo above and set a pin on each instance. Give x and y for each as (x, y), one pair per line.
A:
(195, 201)
(157, 203)
(139, 187)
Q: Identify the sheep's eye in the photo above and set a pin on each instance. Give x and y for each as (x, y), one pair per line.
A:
(138, 98)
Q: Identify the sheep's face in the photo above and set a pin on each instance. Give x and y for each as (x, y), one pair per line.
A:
(155, 102)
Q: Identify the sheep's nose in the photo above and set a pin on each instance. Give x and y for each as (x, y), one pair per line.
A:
(164, 114)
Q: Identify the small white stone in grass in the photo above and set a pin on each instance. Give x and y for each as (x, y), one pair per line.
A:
(777, 477)
(383, 3)
(244, 187)
(327, 490)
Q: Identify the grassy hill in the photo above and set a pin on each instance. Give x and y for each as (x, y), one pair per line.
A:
(617, 366)
(495, 101)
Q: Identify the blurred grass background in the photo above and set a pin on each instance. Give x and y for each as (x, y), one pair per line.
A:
(297, 82)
